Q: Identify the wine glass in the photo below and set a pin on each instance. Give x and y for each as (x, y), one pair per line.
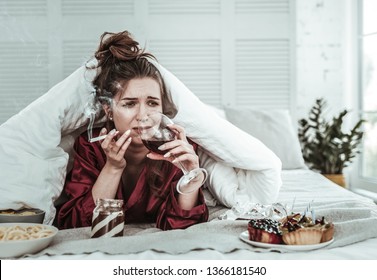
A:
(154, 132)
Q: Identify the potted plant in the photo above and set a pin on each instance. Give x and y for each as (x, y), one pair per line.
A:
(325, 147)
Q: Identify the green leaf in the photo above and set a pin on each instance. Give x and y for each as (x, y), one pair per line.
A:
(325, 146)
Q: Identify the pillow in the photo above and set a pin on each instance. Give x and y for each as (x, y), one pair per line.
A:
(274, 128)
(34, 163)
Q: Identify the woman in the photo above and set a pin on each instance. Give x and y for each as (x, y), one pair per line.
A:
(129, 85)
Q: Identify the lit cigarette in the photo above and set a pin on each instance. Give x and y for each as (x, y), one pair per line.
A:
(99, 138)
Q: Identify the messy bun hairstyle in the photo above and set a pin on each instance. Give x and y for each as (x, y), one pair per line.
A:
(120, 59)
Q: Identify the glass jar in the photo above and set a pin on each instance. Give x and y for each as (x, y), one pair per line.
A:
(108, 218)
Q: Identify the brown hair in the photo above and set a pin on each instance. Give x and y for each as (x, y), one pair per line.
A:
(120, 59)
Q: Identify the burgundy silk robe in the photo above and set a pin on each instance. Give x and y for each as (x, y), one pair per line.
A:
(141, 205)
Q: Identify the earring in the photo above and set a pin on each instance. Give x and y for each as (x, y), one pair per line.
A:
(111, 119)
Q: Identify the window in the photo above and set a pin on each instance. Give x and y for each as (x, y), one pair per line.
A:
(367, 171)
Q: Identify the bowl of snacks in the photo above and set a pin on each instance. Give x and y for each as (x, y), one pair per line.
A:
(25, 215)
(18, 239)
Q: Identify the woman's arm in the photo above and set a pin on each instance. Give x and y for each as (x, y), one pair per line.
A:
(107, 183)
(183, 155)
(95, 174)
(180, 211)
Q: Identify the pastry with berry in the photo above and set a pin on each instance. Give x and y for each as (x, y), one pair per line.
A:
(264, 230)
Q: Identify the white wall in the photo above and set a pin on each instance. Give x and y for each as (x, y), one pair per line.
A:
(327, 60)
(324, 48)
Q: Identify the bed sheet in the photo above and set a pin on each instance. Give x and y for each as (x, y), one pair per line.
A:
(364, 250)
(354, 216)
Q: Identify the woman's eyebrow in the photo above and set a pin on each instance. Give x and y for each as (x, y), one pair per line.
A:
(136, 98)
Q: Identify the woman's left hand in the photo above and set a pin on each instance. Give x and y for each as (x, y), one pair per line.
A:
(178, 150)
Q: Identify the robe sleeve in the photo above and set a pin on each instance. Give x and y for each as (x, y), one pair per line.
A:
(78, 210)
(172, 216)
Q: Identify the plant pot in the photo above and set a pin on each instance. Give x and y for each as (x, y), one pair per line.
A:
(337, 179)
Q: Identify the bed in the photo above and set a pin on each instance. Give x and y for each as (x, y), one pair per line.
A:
(219, 239)
(264, 166)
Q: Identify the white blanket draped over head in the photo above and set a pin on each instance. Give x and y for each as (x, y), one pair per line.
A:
(35, 145)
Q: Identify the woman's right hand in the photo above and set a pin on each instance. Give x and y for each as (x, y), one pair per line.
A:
(115, 148)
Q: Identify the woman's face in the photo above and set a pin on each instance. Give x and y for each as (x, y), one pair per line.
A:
(142, 95)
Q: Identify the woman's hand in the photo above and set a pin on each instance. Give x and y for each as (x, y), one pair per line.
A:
(181, 153)
(178, 151)
(115, 148)
(107, 182)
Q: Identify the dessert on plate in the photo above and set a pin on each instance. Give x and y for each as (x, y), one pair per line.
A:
(264, 230)
(294, 229)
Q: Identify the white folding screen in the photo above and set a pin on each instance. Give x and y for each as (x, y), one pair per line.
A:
(228, 52)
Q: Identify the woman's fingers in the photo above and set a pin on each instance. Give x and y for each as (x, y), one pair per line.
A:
(155, 156)
(179, 131)
(176, 147)
(188, 161)
(123, 142)
(185, 157)
(180, 152)
(106, 143)
(116, 148)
